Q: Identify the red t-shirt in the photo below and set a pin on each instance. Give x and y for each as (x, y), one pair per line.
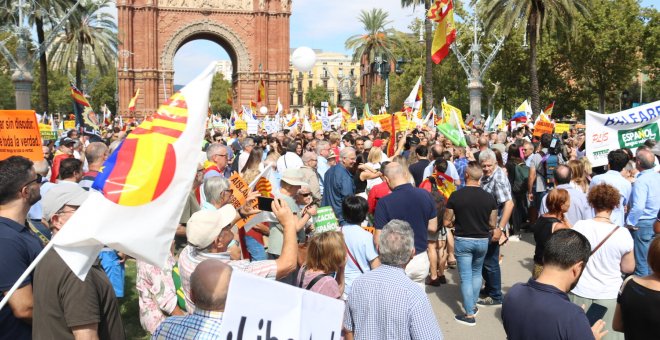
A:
(377, 192)
(55, 169)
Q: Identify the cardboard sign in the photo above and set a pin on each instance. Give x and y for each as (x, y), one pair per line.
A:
(284, 311)
(542, 127)
(562, 127)
(325, 220)
(240, 124)
(19, 135)
(317, 126)
(240, 191)
(69, 124)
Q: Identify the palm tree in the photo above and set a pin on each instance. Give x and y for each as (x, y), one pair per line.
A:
(538, 16)
(378, 41)
(428, 42)
(90, 37)
(56, 8)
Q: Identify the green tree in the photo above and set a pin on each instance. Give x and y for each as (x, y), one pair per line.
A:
(90, 37)
(538, 17)
(316, 95)
(377, 41)
(613, 36)
(428, 42)
(218, 99)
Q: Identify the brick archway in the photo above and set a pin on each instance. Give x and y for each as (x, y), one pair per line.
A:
(255, 34)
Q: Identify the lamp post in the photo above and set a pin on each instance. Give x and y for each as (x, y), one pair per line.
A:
(641, 86)
(21, 66)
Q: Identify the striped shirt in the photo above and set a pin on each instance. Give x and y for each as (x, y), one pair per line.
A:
(385, 304)
(199, 325)
(498, 186)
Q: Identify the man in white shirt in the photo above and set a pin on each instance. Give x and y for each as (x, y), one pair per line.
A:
(290, 160)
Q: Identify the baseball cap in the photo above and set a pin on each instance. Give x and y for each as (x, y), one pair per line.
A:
(414, 140)
(378, 143)
(67, 140)
(60, 195)
(293, 177)
(204, 226)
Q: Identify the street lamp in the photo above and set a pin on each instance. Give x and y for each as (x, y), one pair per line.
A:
(641, 85)
(22, 65)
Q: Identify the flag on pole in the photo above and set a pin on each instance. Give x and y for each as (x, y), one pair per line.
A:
(280, 108)
(355, 116)
(442, 12)
(261, 95)
(140, 189)
(131, 104)
(449, 109)
(414, 99)
(453, 130)
(367, 113)
(230, 100)
(497, 121)
(548, 110)
(391, 144)
(520, 114)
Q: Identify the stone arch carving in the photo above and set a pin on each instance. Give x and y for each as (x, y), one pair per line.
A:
(233, 44)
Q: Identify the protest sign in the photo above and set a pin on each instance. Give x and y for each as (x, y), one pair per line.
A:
(351, 126)
(325, 123)
(542, 127)
(626, 129)
(240, 124)
(317, 126)
(562, 127)
(325, 220)
(284, 312)
(253, 127)
(69, 124)
(19, 135)
(369, 125)
(272, 127)
(240, 190)
(47, 132)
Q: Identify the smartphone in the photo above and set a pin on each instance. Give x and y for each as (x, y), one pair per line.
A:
(553, 144)
(264, 203)
(595, 313)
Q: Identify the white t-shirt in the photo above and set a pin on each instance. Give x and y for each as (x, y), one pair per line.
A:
(373, 181)
(601, 278)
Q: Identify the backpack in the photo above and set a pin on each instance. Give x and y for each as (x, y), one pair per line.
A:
(521, 177)
(549, 164)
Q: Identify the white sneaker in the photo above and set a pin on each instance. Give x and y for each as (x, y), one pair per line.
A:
(514, 238)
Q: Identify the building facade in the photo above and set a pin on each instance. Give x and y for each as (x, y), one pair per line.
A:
(330, 67)
(225, 67)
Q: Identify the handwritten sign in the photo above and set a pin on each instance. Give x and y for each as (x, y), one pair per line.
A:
(562, 127)
(284, 312)
(240, 191)
(19, 135)
(542, 127)
(325, 220)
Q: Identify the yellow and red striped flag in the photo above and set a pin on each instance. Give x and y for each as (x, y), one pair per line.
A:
(230, 101)
(442, 12)
(261, 94)
(131, 104)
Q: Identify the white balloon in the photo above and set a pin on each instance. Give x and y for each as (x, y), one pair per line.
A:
(303, 59)
(263, 110)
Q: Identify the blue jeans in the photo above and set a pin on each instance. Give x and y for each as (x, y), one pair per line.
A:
(491, 271)
(256, 250)
(470, 254)
(642, 239)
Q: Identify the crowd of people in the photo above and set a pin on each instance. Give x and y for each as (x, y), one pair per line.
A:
(404, 219)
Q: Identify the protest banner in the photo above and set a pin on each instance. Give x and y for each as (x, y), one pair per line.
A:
(542, 127)
(253, 127)
(240, 124)
(69, 124)
(47, 132)
(284, 312)
(272, 127)
(19, 135)
(325, 220)
(626, 129)
(562, 127)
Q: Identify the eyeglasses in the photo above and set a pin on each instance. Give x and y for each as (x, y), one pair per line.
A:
(220, 155)
(62, 212)
(38, 180)
(306, 194)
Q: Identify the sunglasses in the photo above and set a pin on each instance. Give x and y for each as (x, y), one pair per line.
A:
(38, 180)
(306, 194)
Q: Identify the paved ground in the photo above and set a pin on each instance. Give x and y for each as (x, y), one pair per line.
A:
(447, 301)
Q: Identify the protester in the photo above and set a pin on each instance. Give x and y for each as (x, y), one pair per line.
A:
(65, 306)
(71, 171)
(35, 214)
(246, 148)
(579, 208)
(617, 160)
(19, 189)
(362, 255)
(417, 208)
(253, 165)
(400, 302)
(557, 203)
(323, 271)
(644, 206)
(338, 183)
(310, 175)
(638, 303)
(578, 176)
(495, 182)
(218, 161)
(291, 159)
(156, 293)
(417, 169)
(64, 151)
(472, 224)
(96, 153)
(611, 254)
(209, 288)
(540, 308)
(322, 151)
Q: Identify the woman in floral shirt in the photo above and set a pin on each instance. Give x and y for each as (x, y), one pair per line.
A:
(157, 294)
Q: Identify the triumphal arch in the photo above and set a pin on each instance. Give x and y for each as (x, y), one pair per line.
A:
(255, 34)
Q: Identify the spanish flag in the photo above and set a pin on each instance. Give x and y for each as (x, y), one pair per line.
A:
(253, 107)
(442, 12)
(78, 96)
(261, 95)
(131, 104)
(230, 101)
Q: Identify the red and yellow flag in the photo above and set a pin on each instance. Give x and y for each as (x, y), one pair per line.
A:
(131, 104)
(261, 94)
(79, 97)
(230, 101)
(442, 12)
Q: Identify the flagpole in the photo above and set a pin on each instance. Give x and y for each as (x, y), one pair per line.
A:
(25, 274)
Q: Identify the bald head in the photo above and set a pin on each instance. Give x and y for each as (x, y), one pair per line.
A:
(562, 174)
(209, 284)
(395, 174)
(41, 167)
(96, 153)
(645, 159)
(483, 142)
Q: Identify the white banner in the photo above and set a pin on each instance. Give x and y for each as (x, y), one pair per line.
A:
(625, 129)
(263, 309)
(252, 127)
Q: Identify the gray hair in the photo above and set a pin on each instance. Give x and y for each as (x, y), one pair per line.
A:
(321, 145)
(397, 242)
(212, 149)
(247, 142)
(368, 144)
(487, 155)
(307, 156)
(345, 152)
(41, 167)
(645, 158)
(214, 187)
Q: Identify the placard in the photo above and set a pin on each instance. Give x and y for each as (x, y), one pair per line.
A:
(325, 124)
(317, 126)
(283, 312)
(240, 191)
(69, 125)
(19, 135)
(240, 124)
(542, 127)
(253, 127)
(562, 127)
(325, 220)
(46, 132)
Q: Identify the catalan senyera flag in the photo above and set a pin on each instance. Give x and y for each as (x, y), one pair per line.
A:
(253, 107)
(131, 104)
(548, 109)
(442, 12)
(230, 100)
(261, 94)
(141, 188)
